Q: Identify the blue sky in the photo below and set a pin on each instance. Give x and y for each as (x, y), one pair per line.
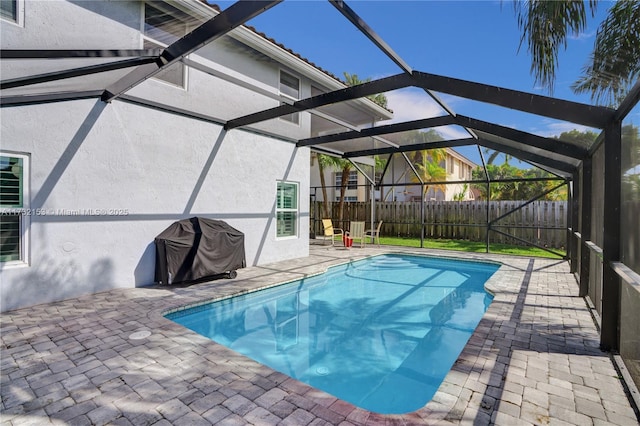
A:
(470, 40)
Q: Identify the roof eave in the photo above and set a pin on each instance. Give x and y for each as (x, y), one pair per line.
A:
(462, 157)
(245, 35)
(249, 37)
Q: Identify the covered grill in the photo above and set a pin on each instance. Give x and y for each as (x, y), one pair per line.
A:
(197, 249)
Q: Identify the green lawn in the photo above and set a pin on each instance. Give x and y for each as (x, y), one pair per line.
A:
(469, 246)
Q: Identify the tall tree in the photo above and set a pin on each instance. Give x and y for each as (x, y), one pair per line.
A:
(516, 190)
(493, 155)
(354, 80)
(631, 164)
(339, 165)
(582, 138)
(345, 169)
(429, 170)
(415, 137)
(324, 161)
(615, 61)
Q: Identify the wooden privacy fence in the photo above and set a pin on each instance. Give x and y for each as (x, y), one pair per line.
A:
(542, 223)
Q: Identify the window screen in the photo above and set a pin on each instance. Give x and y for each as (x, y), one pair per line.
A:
(287, 209)
(11, 204)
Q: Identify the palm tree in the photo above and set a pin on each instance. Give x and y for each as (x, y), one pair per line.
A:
(324, 161)
(437, 155)
(345, 167)
(615, 61)
(429, 170)
(338, 164)
(493, 155)
(460, 195)
(354, 80)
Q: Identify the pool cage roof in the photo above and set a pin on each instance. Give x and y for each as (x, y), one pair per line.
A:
(110, 74)
(107, 74)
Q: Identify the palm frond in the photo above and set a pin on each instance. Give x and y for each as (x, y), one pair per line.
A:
(545, 27)
(614, 65)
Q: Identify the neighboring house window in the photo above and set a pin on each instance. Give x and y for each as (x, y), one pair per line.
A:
(287, 209)
(290, 88)
(13, 207)
(161, 28)
(352, 182)
(11, 10)
(450, 165)
(348, 199)
(461, 169)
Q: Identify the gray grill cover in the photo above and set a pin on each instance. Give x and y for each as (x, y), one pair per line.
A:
(197, 248)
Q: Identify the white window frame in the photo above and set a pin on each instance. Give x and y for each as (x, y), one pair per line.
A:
(293, 118)
(450, 163)
(348, 198)
(19, 21)
(159, 44)
(353, 177)
(23, 211)
(295, 210)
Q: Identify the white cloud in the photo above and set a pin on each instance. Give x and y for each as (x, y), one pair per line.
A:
(415, 104)
(551, 129)
(411, 104)
(453, 132)
(582, 36)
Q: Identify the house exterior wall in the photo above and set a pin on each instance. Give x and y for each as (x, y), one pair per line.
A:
(457, 166)
(225, 100)
(105, 179)
(121, 24)
(360, 193)
(62, 24)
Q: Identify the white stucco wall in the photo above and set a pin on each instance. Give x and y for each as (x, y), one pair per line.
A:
(74, 25)
(157, 167)
(85, 156)
(57, 24)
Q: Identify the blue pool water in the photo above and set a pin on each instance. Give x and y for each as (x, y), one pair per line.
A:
(381, 333)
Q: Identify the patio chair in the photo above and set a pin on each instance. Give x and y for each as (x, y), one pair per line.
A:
(374, 234)
(330, 231)
(356, 232)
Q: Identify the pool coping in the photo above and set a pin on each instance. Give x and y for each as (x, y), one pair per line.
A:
(438, 407)
(444, 402)
(490, 289)
(163, 312)
(535, 343)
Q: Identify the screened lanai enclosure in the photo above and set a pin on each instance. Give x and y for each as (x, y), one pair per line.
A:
(603, 211)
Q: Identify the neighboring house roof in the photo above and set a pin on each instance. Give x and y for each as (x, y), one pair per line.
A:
(461, 157)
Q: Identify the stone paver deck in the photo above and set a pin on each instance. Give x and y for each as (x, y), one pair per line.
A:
(533, 360)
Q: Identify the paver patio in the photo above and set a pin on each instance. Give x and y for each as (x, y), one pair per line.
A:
(533, 360)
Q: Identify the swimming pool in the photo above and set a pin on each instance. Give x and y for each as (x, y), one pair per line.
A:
(381, 333)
